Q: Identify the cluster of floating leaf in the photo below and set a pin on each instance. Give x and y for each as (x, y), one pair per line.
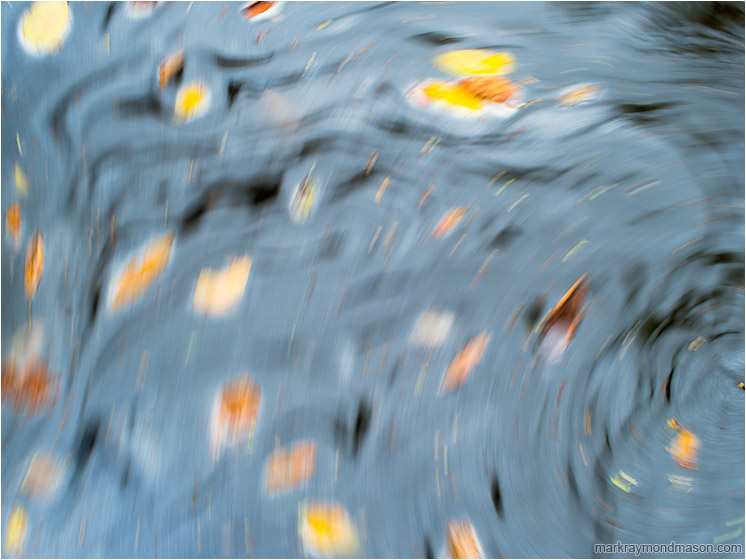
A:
(481, 88)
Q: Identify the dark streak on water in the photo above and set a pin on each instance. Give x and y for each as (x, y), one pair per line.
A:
(99, 142)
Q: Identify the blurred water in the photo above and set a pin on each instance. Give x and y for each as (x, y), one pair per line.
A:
(325, 322)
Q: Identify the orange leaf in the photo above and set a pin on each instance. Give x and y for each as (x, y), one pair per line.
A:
(29, 388)
(219, 290)
(34, 264)
(450, 221)
(141, 271)
(256, 8)
(469, 357)
(463, 541)
(235, 412)
(13, 222)
(170, 67)
(566, 316)
(685, 449)
(490, 88)
(289, 468)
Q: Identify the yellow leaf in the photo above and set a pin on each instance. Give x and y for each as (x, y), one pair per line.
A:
(34, 264)
(141, 271)
(219, 290)
(463, 541)
(16, 534)
(29, 386)
(474, 62)
(44, 27)
(21, 180)
(326, 530)
(192, 100)
(452, 94)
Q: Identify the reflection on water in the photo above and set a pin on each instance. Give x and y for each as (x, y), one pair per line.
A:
(266, 247)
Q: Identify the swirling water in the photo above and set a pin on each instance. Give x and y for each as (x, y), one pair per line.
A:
(642, 189)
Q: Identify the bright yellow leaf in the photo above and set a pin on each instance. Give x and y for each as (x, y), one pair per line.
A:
(192, 101)
(474, 62)
(453, 94)
(327, 531)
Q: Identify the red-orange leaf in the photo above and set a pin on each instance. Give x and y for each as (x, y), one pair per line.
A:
(256, 8)
(13, 222)
(469, 357)
(34, 264)
(685, 449)
(450, 221)
(235, 412)
(29, 388)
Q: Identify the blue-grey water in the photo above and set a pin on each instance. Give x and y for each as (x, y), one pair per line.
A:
(641, 188)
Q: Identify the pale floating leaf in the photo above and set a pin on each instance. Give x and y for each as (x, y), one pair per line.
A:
(43, 477)
(21, 180)
(432, 328)
(579, 95)
(288, 469)
(44, 27)
(217, 291)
